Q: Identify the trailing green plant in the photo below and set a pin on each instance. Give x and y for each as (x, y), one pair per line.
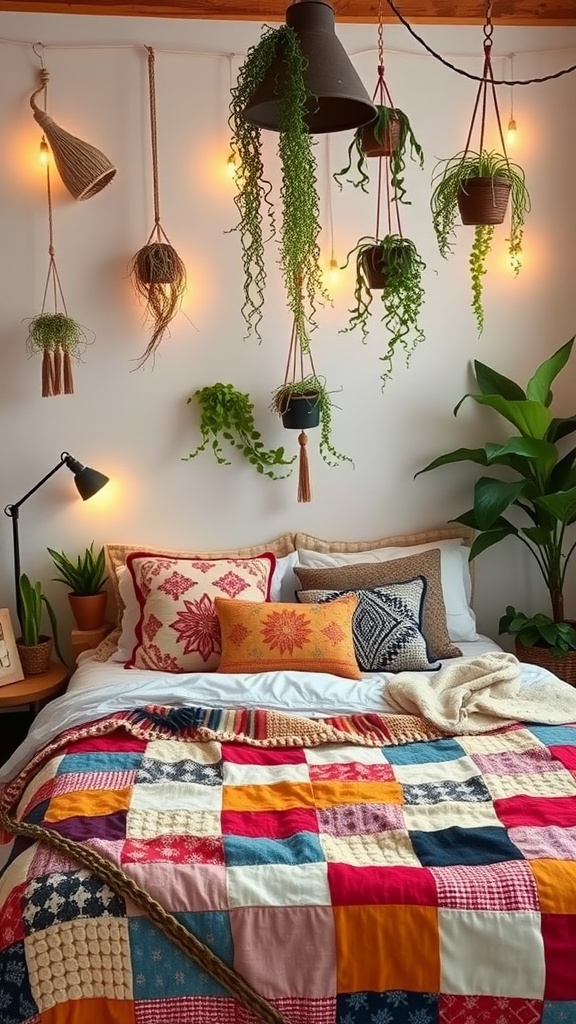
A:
(316, 392)
(32, 602)
(49, 330)
(159, 277)
(449, 179)
(407, 145)
(228, 415)
(86, 576)
(402, 294)
(299, 250)
(542, 489)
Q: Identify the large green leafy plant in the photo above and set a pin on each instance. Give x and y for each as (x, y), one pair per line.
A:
(452, 177)
(539, 488)
(299, 255)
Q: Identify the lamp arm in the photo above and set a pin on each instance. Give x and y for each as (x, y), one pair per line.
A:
(9, 510)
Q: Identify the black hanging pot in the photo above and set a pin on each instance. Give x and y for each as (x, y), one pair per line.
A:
(300, 412)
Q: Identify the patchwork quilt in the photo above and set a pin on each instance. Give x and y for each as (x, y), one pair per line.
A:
(348, 874)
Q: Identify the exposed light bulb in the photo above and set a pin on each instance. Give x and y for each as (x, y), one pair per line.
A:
(511, 132)
(333, 272)
(44, 153)
(231, 166)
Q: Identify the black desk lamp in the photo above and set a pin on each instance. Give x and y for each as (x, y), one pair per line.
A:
(87, 480)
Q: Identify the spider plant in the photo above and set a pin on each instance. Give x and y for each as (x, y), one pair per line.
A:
(392, 131)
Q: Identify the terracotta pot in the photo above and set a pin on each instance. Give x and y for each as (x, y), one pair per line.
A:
(375, 265)
(88, 611)
(301, 412)
(483, 200)
(35, 660)
(371, 146)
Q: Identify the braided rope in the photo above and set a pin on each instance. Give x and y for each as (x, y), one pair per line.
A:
(154, 137)
(166, 923)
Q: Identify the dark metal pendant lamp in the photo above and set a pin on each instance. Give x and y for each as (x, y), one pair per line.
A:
(338, 101)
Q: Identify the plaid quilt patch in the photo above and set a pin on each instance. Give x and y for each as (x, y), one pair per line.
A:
(429, 882)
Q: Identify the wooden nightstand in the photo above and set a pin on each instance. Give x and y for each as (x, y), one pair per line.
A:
(34, 690)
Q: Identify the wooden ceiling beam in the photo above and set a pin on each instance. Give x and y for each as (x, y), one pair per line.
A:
(441, 12)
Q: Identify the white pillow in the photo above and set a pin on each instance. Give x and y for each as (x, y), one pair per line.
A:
(282, 588)
(454, 573)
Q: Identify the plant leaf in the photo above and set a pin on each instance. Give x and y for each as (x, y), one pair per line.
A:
(491, 382)
(538, 387)
(458, 455)
(492, 497)
(532, 419)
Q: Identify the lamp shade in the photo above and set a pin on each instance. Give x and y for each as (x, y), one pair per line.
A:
(337, 99)
(88, 481)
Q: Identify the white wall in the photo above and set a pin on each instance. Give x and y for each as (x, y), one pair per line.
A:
(136, 426)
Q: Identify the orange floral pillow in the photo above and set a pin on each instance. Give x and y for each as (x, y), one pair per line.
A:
(178, 629)
(275, 636)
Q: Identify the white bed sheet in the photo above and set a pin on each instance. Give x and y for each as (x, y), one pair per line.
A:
(101, 688)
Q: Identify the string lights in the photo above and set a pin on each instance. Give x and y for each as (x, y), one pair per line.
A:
(511, 130)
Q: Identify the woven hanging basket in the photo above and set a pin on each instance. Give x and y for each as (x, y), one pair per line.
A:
(484, 200)
(84, 170)
(35, 660)
(371, 146)
(375, 264)
(564, 668)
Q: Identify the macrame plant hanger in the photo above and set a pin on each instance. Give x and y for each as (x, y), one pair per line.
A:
(298, 356)
(158, 272)
(57, 376)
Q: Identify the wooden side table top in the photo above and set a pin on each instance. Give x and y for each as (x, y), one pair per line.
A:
(35, 688)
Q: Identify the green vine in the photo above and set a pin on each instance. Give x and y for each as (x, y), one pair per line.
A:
(49, 330)
(315, 389)
(407, 145)
(299, 250)
(228, 414)
(480, 248)
(402, 295)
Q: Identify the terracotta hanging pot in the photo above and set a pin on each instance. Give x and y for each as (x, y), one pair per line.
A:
(375, 263)
(301, 412)
(483, 200)
(89, 610)
(35, 660)
(371, 145)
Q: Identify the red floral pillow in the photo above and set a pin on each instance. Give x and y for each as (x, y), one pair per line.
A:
(178, 628)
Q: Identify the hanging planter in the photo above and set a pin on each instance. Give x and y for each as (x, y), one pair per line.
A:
(478, 186)
(228, 415)
(158, 273)
(391, 136)
(298, 411)
(384, 135)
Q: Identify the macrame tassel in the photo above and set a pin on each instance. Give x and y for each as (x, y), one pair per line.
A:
(47, 374)
(304, 492)
(68, 378)
(57, 364)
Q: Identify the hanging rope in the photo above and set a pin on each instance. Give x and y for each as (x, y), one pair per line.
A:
(482, 92)
(383, 93)
(295, 373)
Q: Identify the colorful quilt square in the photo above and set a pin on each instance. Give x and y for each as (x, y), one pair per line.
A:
(15, 988)
(549, 843)
(206, 1010)
(106, 761)
(66, 896)
(434, 817)
(556, 882)
(565, 755)
(330, 794)
(87, 803)
(235, 774)
(487, 953)
(489, 1010)
(555, 735)
(360, 819)
(457, 769)
(105, 826)
(387, 1008)
(548, 784)
(515, 741)
(559, 935)
(12, 923)
(387, 849)
(285, 951)
(496, 887)
(238, 753)
(276, 797)
(391, 934)
(177, 886)
(352, 772)
(81, 1011)
(153, 771)
(336, 753)
(175, 796)
(534, 761)
(302, 848)
(425, 753)
(119, 741)
(527, 810)
(269, 824)
(174, 849)
(352, 886)
(161, 971)
(466, 791)
(280, 885)
(151, 824)
(463, 846)
(173, 751)
(559, 1012)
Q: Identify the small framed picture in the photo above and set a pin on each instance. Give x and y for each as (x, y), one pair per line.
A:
(10, 667)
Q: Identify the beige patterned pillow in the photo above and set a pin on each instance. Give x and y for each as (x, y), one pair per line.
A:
(364, 575)
(178, 628)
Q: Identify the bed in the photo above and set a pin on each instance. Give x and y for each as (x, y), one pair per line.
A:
(279, 845)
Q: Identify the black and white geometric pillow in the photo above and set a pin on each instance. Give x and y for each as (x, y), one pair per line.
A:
(386, 625)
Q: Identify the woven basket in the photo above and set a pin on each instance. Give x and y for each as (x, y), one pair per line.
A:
(371, 146)
(483, 200)
(564, 668)
(376, 266)
(84, 169)
(35, 660)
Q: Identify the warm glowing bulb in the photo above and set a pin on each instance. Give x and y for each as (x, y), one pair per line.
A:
(44, 153)
(231, 166)
(333, 273)
(511, 132)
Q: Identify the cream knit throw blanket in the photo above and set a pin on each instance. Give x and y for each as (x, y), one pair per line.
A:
(481, 694)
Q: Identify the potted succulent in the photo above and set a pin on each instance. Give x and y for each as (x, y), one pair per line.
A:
(478, 187)
(299, 226)
(541, 493)
(85, 577)
(59, 338)
(389, 135)
(393, 266)
(34, 647)
(228, 415)
(307, 403)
